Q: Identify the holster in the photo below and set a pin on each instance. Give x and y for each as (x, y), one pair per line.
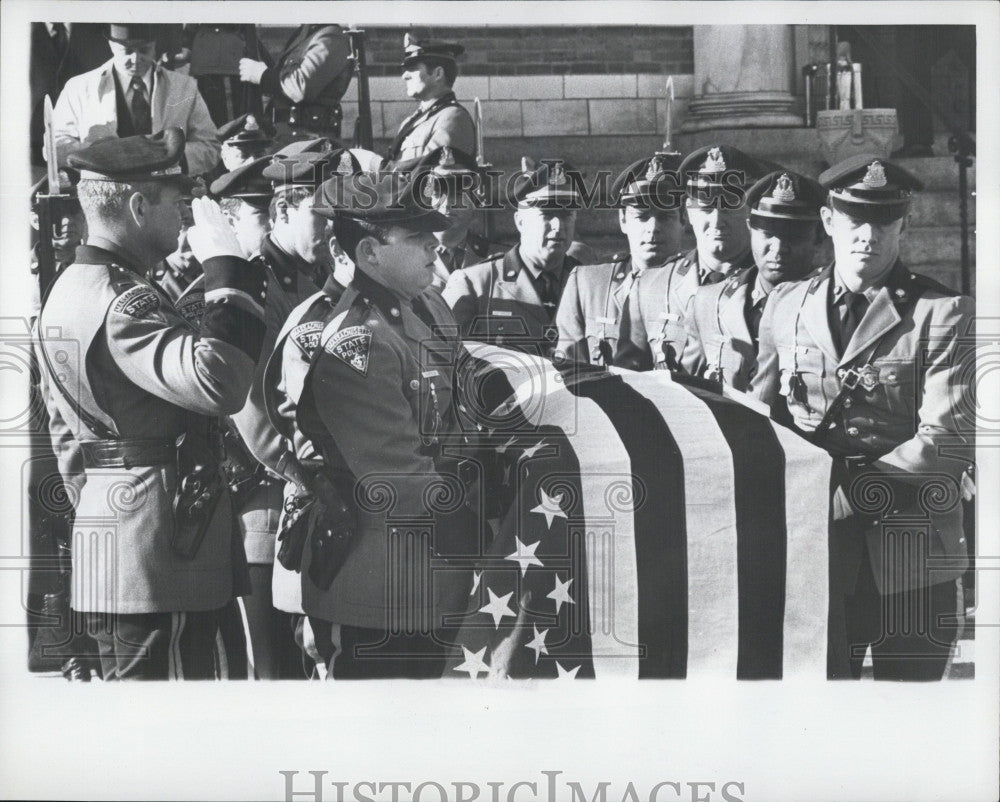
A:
(199, 488)
(239, 467)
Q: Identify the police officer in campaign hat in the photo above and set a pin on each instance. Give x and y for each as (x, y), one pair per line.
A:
(139, 390)
(245, 197)
(511, 300)
(716, 179)
(724, 323)
(614, 313)
(243, 140)
(376, 405)
(429, 72)
(871, 361)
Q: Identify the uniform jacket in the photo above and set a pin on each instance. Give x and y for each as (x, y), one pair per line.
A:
(143, 371)
(258, 515)
(497, 302)
(445, 123)
(590, 310)
(375, 403)
(312, 68)
(719, 343)
(683, 283)
(912, 413)
(87, 110)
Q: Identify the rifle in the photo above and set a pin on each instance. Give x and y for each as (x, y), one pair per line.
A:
(363, 125)
(485, 169)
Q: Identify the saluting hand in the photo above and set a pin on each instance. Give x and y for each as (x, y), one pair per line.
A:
(251, 71)
(211, 235)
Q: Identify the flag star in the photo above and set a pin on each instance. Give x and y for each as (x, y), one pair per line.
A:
(498, 607)
(537, 644)
(525, 555)
(564, 674)
(505, 446)
(476, 576)
(560, 593)
(530, 451)
(473, 663)
(550, 507)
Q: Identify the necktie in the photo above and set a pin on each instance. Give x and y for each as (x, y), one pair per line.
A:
(633, 345)
(756, 313)
(142, 120)
(547, 291)
(855, 305)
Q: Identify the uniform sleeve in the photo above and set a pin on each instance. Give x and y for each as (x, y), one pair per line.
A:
(294, 366)
(372, 424)
(693, 357)
(201, 148)
(208, 374)
(454, 128)
(461, 296)
(765, 383)
(570, 322)
(946, 411)
(64, 445)
(304, 79)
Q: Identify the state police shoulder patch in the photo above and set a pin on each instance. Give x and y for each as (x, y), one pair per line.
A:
(137, 302)
(353, 346)
(192, 307)
(307, 336)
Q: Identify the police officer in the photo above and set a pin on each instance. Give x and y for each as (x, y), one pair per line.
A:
(375, 405)
(449, 180)
(154, 555)
(614, 313)
(245, 196)
(511, 300)
(243, 140)
(254, 449)
(867, 360)
(716, 179)
(306, 82)
(429, 72)
(724, 324)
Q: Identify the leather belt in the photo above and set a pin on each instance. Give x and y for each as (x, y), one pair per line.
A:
(301, 112)
(136, 453)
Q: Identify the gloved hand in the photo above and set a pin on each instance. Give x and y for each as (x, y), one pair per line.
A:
(251, 71)
(211, 235)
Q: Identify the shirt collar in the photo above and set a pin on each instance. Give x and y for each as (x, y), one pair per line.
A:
(126, 81)
(758, 293)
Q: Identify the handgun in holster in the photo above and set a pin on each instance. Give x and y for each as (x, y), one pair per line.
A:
(319, 514)
(199, 488)
(243, 473)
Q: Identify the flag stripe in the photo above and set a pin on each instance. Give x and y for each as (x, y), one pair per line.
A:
(659, 522)
(759, 490)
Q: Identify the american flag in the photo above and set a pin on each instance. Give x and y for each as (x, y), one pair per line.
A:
(656, 530)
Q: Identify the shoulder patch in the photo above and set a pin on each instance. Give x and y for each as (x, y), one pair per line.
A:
(307, 336)
(137, 302)
(191, 307)
(353, 346)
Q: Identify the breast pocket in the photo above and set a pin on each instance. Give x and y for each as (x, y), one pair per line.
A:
(667, 337)
(598, 332)
(898, 387)
(803, 380)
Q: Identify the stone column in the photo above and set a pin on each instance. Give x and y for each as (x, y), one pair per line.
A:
(743, 78)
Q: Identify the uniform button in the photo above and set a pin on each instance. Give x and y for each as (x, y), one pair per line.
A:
(414, 384)
(853, 431)
(286, 281)
(394, 312)
(961, 540)
(891, 377)
(848, 403)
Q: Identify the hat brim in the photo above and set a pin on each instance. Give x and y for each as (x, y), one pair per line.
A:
(880, 213)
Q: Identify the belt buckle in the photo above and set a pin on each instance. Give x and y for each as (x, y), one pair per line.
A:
(849, 378)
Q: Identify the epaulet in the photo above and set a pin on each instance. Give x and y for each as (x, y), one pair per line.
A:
(133, 298)
(731, 284)
(923, 282)
(621, 256)
(309, 331)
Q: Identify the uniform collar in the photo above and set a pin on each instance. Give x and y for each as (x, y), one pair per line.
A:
(513, 265)
(285, 266)
(758, 293)
(896, 281)
(100, 251)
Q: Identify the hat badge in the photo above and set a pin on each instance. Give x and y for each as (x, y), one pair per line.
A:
(655, 168)
(251, 124)
(875, 177)
(527, 165)
(784, 190)
(346, 166)
(447, 158)
(557, 175)
(714, 161)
